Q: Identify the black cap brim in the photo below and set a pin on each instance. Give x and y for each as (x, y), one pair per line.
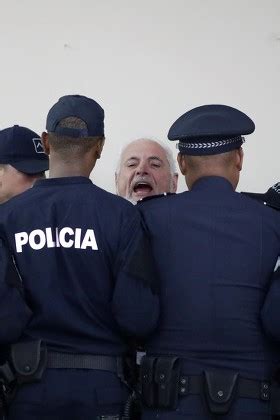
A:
(31, 167)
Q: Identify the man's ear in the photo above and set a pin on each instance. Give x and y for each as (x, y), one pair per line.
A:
(240, 155)
(182, 163)
(45, 142)
(99, 148)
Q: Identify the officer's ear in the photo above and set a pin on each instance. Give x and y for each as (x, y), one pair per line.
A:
(45, 142)
(182, 163)
(99, 147)
(174, 182)
(239, 161)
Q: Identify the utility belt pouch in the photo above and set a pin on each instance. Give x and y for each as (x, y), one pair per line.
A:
(167, 375)
(160, 381)
(220, 390)
(148, 389)
(29, 360)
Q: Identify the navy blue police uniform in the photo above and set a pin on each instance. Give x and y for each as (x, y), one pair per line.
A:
(215, 251)
(21, 148)
(270, 310)
(88, 279)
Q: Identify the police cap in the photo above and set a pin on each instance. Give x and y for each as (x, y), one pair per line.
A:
(80, 107)
(210, 130)
(22, 148)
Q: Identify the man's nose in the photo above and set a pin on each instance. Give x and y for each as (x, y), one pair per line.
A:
(142, 168)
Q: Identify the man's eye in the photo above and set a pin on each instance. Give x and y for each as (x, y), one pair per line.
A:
(130, 165)
(156, 165)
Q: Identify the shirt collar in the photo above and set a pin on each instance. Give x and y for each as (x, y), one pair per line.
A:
(212, 183)
(69, 180)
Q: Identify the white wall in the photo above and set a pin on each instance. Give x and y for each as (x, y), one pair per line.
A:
(146, 62)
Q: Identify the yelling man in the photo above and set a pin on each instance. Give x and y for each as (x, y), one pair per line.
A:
(145, 168)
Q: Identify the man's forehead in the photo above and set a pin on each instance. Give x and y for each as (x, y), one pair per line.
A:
(144, 149)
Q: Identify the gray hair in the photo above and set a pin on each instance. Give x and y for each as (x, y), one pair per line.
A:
(167, 150)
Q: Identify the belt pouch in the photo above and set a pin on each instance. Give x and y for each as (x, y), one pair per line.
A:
(220, 390)
(147, 381)
(29, 359)
(167, 375)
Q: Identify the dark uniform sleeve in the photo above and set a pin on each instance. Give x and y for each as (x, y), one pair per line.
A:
(14, 312)
(270, 314)
(136, 293)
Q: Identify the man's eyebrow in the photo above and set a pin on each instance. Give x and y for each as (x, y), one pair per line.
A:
(155, 158)
(131, 158)
(149, 158)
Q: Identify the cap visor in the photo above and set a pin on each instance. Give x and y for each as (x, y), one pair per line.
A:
(31, 166)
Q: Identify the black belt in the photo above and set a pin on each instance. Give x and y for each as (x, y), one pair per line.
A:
(57, 360)
(162, 383)
(246, 388)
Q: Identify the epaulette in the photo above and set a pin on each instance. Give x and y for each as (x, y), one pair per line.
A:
(152, 197)
(271, 198)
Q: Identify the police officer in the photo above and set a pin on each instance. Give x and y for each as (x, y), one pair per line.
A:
(22, 161)
(87, 276)
(215, 250)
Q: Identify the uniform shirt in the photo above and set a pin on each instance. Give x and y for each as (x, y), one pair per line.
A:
(11, 297)
(85, 265)
(270, 311)
(215, 251)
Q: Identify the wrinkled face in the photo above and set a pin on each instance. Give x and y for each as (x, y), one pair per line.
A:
(144, 171)
(12, 182)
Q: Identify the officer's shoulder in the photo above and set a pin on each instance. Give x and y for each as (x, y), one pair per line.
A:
(112, 200)
(269, 199)
(154, 198)
(16, 201)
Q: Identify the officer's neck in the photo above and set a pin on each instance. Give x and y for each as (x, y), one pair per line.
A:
(191, 179)
(59, 169)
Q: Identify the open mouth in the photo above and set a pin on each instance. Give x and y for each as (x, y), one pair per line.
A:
(142, 188)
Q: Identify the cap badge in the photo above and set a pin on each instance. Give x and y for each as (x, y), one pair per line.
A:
(38, 145)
